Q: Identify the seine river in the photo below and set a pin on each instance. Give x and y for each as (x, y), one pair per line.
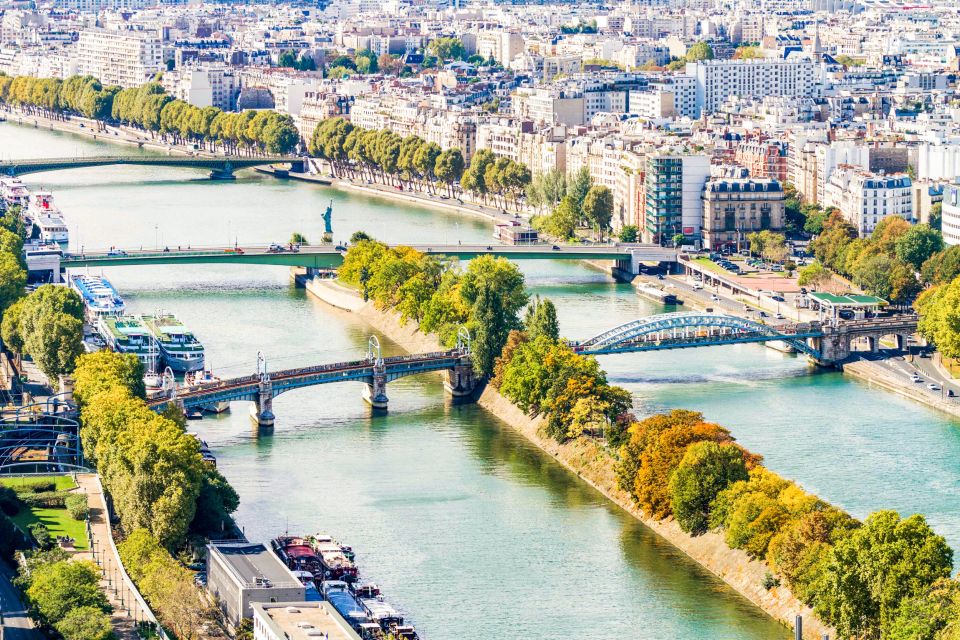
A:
(466, 527)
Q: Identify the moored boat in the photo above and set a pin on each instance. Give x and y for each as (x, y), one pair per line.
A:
(99, 297)
(13, 192)
(179, 348)
(298, 555)
(336, 564)
(126, 334)
(206, 379)
(46, 220)
(337, 593)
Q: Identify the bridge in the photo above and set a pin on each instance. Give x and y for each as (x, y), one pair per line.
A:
(328, 255)
(221, 168)
(374, 371)
(825, 344)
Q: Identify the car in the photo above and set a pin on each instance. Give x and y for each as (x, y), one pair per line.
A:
(340, 247)
(697, 286)
(556, 248)
(846, 314)
(916, 378)
(933, 387)
(715, 297)
(116, 252)
(803, 290)
(659, 276)
(764, 314)
(778, 298)
(276, 248)
(778, 316)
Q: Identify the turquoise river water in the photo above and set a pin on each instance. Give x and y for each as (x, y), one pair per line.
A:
(467, 527)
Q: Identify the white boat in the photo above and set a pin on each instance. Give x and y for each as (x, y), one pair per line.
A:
(46, 220)
(205, 379)
(14, 192)
(99, 297)
(179, 349)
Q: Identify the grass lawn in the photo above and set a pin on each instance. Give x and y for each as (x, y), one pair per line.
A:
(58, 521)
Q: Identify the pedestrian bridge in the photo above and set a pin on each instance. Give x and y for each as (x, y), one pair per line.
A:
(374, 371)
(328, 255)
(219, 167)
(826, 344)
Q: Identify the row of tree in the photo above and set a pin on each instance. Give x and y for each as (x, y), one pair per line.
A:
(543, 376)
(886, 264)
(46, 325)
(13, 271)
(149, 465)
(152, 109)
(65, 596)
(166, 584)
(939, 309)
(576, 204)
(384, 156)
(888, 577)
(486, 297)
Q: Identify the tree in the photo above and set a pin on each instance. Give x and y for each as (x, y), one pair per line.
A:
(359, 236)
(936, 216)
(918, 244)
(562, 223)
(939, 310)
(366, 61)
(61, 587)
(882, 564)
(12, 338)
(447, 49)
(13, 278)
(705, 470)
(579, 187)
(598, 208)
(942, 266)
(541, 320)
(298, 238)
(699, 51)
(629, 233)
(55, 343)
(494, 290)
(925, 616)
(449, 168)
(814, 275)
(85, 623)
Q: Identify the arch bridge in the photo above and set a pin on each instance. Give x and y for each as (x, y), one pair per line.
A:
(826, 344)
(221, 168)
(374, 371)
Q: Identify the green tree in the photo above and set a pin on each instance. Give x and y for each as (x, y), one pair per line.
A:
(939, 310)
(298, 238)
(629, 233)
(57, 589)
(579, 187)
(366, 61)
(13, 278)
(699, 51)
(216, 501)
(936, 216)
(12, 338)
(942, 266)
(814, 275)
(447, 49)
(541, 320)
(598, 208)
(918, 244)
(562, 223)
(85, 623)
(882, 564)
(705, 470)
(925, 616)
(55, 343)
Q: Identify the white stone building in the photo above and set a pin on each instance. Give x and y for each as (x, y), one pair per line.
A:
(866, 198)
(124, 58)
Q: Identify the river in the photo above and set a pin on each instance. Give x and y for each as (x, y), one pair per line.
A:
(466, 526)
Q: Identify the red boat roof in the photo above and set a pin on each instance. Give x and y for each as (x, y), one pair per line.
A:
(299, 551)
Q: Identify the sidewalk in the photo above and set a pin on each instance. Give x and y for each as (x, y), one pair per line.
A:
(127, 612)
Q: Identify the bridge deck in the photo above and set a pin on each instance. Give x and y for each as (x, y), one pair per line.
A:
(222, 163)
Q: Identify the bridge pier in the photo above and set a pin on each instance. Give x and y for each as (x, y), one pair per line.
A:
(262, 410)
(460, 381)
(222, 174)
(375, 391)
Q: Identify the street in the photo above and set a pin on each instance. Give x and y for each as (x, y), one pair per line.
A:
(16, 624)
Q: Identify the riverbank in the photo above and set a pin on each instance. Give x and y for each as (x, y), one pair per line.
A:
(872, 373)
(595, 466)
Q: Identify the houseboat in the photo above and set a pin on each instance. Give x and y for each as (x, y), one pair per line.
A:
(13, 193)
(45, 220)
(336, 564)
(205, 380)
(654, 294)
(126, 334)
(99, 297)
(179, 349)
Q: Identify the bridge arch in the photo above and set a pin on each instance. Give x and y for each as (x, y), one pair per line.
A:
(687, 329)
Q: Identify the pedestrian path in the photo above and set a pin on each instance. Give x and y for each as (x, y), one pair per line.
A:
(128, 609)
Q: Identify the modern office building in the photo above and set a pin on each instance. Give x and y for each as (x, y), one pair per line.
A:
(671, 192)
(950, 224)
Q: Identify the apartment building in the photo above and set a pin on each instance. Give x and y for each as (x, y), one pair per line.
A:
(763, 158)
(735, 207)
(203, 87)
(501, 45)
(124, 58)
(950, 223)
(672, 196)
(716, 80)
(865, 198)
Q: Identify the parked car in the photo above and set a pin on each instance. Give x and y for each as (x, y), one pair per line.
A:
(778, 298)
(778, 316)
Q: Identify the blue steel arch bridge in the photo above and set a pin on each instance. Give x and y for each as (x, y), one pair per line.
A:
(688, 329)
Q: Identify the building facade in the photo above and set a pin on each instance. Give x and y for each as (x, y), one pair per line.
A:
(716, 80)
(124, 58)
(950, 223)
(734, 207)
(866, 198)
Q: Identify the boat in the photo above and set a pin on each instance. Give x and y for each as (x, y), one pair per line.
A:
(205, 379)
(337, 593)
(205, 452)
(297, 554)
(179, 349)
(13, 192)
(45, 220)
(336, 564)
(126, 334)
(99, 297)
(651, 292)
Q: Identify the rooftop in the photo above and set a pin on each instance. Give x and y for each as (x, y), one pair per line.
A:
(252, 563)
(847, 300)
(303, 621)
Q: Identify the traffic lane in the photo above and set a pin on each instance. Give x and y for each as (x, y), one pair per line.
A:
(896, 362)
(16, 624)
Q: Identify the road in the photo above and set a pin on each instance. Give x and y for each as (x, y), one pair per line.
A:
(16, 624)
(897, 363)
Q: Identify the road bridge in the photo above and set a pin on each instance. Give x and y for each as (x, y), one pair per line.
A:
(826, 344)
(374, 371)
(221, 168)
(329, 256)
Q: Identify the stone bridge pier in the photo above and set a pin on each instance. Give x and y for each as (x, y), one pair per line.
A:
(375, 388)
(837, 342)
(262, 409)
(460, 381)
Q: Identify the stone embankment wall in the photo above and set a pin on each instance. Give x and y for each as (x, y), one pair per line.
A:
(596, 467)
